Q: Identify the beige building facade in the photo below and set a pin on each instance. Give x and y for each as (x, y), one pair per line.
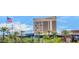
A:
(43, 25)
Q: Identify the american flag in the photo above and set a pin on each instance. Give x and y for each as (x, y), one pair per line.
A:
(9, 20)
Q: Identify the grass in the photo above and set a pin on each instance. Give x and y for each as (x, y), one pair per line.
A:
(32, 40)
(45, 39)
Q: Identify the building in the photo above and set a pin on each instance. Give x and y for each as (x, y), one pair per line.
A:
(43, 25)
(75, 32)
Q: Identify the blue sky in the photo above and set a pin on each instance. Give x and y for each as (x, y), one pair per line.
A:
(67, 23)
(63, 22)
(27, 20)
(23, 19)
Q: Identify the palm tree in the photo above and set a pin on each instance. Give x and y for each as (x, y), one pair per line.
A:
(8, 32)
(3, 29)
(39, 36)
(49, 33)
(54, 34)
(22, 35)
(15, 35)
(65, 33)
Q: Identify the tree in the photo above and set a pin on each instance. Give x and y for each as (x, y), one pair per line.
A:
(22, 35)
(65, 33)
(49, 33)
(8, 32)
(15, 36)
(3, 29)
(38, 36)
(54, 34)
(46, 39)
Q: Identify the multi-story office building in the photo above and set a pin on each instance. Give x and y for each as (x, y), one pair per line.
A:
(43, 25)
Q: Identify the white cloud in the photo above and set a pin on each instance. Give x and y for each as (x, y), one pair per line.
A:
(3, 25)
(17, 26)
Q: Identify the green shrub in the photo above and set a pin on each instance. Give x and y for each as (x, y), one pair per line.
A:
(7, 40)
(27, 40)
(57, 40)
(47, 39)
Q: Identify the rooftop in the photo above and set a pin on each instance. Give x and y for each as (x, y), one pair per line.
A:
(53, 18)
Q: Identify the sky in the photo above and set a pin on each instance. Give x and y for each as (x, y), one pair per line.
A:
(62, 22)
(26, 22)
(67, 23)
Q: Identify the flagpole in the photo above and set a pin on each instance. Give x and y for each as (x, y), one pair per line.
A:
(9, 20)
(7, 27)
(12, 27)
